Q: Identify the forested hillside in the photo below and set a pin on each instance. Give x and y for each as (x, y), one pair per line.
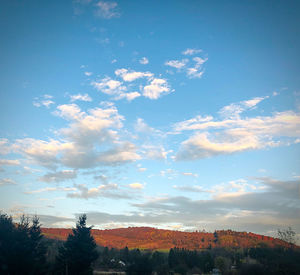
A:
(159, 239)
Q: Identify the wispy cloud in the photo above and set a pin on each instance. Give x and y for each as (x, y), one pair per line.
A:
(88, 73)
(59, 176)
(109, 86)
(107, 10)
(45, 100)
(194, 188)
(7, 181)
(235, 109)
(189, 51)
(189, 174)
(178, 64)
(42, 190)
(11, 162)
(196, 71)
(144, 60)
(84, 97)
(193, 68)
(108, 191)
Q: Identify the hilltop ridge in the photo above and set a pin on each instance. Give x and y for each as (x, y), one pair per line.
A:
(161, 239)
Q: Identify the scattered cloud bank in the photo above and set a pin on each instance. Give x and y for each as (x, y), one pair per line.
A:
(263, 205)
(233, 133)
(59, 176)
(193, 68)
(107, 191)
(45, 100)
(90, 139)
(123, 88)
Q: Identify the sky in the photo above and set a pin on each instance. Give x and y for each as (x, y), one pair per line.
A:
(182, 115)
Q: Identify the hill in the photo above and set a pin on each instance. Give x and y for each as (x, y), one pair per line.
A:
(160, 239)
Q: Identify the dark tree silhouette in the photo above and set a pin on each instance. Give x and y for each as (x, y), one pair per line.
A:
(37, 246)
(79, 251)
(21, 246)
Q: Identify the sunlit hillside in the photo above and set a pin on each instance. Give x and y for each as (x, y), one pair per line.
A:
(159, 239)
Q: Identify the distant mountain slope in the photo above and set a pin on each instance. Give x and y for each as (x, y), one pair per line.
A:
(159, 239)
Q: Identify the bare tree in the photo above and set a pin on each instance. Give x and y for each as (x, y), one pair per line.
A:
(288, 235)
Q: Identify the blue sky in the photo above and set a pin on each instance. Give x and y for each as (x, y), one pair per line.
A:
(173, 114)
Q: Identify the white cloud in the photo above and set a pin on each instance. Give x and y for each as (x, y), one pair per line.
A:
(156, 88)
(143, 127)
(44, 100)
(107, 10)
(136, 185)
(90, 139)
(191, 51)
(237, 134)
(69, 111)
(121, 153)
(144, 60)
(235, 109)
(195, 68)
(45, 103)
(6, 181)
(129, 96)
(178, 64)
(189, 174)
(192, 124)
(196, 71)
(81, 97)
(155, 152)
(114, 61)
(130, 76)
(88, 73)
(202, 146)
(109, 86)
(41, 152)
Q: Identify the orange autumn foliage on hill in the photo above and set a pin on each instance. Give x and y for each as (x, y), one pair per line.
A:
(160, 239)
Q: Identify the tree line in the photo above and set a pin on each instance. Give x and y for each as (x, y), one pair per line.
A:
(24, 250)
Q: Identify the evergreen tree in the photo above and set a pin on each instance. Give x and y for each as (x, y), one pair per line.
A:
(37, 246)
(172, 258)
(21, 246)
(79, 251)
